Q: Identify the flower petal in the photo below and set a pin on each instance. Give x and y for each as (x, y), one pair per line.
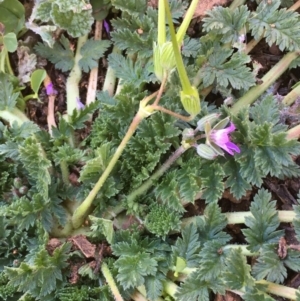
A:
(229, 147)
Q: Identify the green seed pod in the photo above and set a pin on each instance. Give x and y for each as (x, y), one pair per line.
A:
(17, 182)
(191, 101)
(206, 152)
(164, 59)
(23, 190)
(211, 118)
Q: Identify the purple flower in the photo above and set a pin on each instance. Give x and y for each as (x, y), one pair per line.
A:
(50, 90)
(79, 104)
(222, 139)
(106, 26)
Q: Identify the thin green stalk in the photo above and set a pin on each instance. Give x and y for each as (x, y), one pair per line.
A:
(267, 81)
(81, 212)
(285, 216)
(179, 62)
(161, 34)
(279, 290)
(186, 22)
(8, 65)
(111, 282)
(14, 115)
(291, 97)
(74, 78)
(110, 77)
(2, 59)
(236, 3)
(294, 133)
(146, 185)
(64, 172)
(170, 288)
(30, 96)
(137, 296)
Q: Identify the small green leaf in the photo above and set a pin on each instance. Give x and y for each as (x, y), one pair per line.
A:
(91, 51)
(100, 9)
(103, 226)
(76, 23)
(180, 266)
(10, 42)
(264, 223)
(61, 55)
(36, 80)
(12, 15)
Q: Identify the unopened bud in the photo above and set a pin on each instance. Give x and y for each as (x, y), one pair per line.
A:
(206, 152)
(188, 134)
(211, 118)
(23, 190)
(163, 59)
(17, 182)
(191, 101)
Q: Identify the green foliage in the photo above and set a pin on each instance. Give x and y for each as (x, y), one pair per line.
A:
(263, 224)
(212, 261)
(263, 142)
(8, 98)
(60, 54)
(195, 289)
(141, 261)
(224, 67)
(270, 266)
(212, 181)
(210, 225)
(83, 293)
(188, 246)
(75, 16)
(129, 72)
(36, 164)
(160, 220)
(27, 277)
(277, 26)
(101, 226)
(237, 274)
(229, 23)
(91, 51)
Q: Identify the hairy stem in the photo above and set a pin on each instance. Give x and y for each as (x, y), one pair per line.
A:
(294, 133)
(92, 86)
(292, 96)
(82, 211)
(279, 290)
(14, 115)
(111, 282)
(64, 172)
(110, 77)
(178, 116)
(285, 216)
(267, 80)
(74, 78)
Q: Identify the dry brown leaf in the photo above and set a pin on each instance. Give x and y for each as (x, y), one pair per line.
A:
(205, 5)
(84, 246)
